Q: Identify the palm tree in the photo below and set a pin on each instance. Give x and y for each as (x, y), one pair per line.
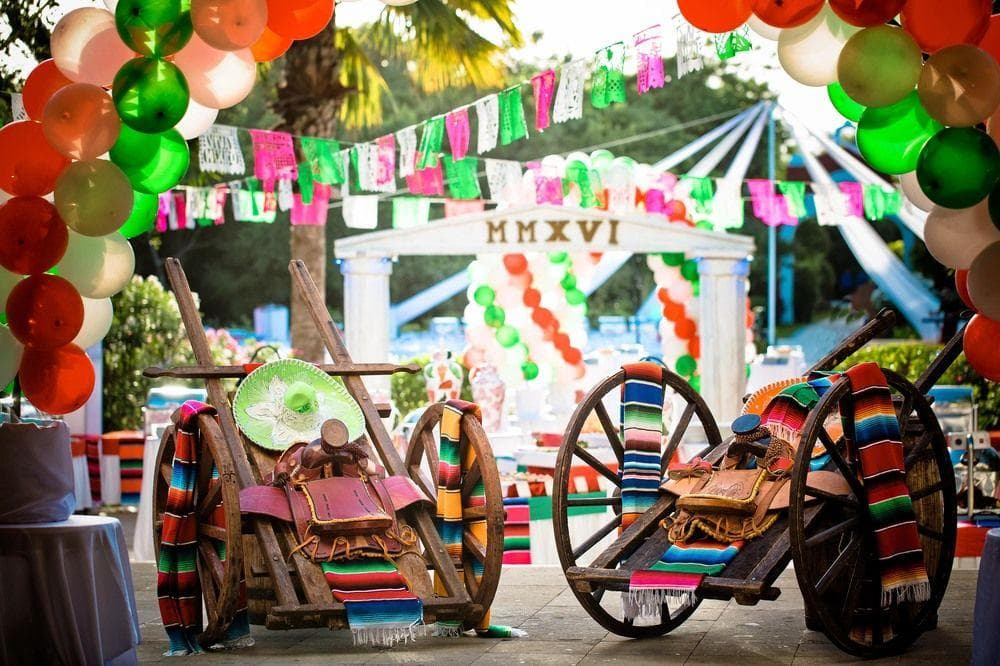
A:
(331, 82)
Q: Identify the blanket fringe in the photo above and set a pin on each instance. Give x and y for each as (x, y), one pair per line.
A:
(447, 630)
(385, 636)
(649, 602)
(912, 592)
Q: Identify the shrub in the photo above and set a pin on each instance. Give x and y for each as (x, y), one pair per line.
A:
(410, 392)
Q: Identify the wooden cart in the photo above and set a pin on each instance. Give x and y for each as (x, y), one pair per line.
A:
(286, 590)
(828, 537)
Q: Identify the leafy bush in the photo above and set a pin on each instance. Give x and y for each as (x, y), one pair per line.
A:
(409, 392)
(911, 358)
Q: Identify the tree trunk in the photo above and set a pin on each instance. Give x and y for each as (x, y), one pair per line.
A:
(309, 100)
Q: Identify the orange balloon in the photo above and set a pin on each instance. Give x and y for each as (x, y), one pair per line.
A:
(270, 46)
(298, 22)
(685, 329)
(717, 16)
(991, 40)
(229, 25)
(32, 235)
(694, 347)
(29, 165)
(57, 381)
(962, 287)
(81, 122)
(981, 348)
(786, 13)
(43, 82)
(44, 311)
(936, 26)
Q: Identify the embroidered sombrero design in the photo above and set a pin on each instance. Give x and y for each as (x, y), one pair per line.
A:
(287, 401)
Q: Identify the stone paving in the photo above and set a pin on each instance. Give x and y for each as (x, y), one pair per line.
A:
(560, 632)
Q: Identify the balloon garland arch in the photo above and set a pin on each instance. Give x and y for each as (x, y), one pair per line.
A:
(140, 78)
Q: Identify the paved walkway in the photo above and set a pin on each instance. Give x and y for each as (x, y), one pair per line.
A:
(560, 632)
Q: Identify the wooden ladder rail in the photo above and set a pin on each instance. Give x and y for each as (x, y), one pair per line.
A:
(880, 323)
(937, 367)
(284, 588)
(334, 343)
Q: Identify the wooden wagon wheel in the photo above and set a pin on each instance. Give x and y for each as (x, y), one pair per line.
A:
(685, 405)
(835, 556)
(421, 462)
(220, 578)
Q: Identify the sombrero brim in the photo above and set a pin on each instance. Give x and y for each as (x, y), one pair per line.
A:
(256, 405)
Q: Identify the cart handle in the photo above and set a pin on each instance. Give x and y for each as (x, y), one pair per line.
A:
(239, 371)
(879, 324)
(936, 368)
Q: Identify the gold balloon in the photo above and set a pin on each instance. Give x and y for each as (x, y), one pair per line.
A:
(94, 198)
(984, 287)
(960, 85)
(80, 121)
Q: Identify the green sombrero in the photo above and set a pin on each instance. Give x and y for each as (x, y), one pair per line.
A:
(287, 401)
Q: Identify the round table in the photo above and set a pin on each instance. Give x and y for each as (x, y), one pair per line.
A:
(68, 595)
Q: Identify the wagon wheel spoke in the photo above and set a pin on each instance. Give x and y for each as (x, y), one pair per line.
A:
(927, 491)
(206, 464)
(610, 431)
(596, 537)
(848, 554)
(598, 466)
(212, 531)
(614, 501)
(429, 448)
(876, 608)
(676, 435)
(598, 594)
(831, 532)
(166, 472)
(930, 532)
(848, 502)
(905, 411)
(473, 477)
(420, 477)
(917, 450)
(841, 463)
(854, 586)
(211, 499)
(211, 560)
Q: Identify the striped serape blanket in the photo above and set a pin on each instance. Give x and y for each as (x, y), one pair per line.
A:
(517, 530)
(642, 430)
(457, 458)
(178, 587)
(676, 576)
(381, 610)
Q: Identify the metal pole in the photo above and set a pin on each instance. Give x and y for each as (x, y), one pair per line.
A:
(772, 239)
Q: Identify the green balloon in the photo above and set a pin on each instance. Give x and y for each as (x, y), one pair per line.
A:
(695, 383)
(686, 365)
(601, 159)
(890, 137)
(558, 257)
(704, 224)
(690, 270)
(153, 162)
(879, 65)
(958, 167)
(494, 316)
(151, 94)
(144, 206)
(154, 27)
(575, 297)
(672, 258)
(484, 295)
(529, 370)
(508, 336)
(568, 281)
(696, 288)
(845, 106)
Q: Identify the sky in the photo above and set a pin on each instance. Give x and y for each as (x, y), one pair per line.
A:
(580, 27)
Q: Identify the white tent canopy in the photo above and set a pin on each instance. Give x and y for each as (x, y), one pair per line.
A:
(366, 262)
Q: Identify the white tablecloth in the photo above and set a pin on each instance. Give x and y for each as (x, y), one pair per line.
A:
(67, 594)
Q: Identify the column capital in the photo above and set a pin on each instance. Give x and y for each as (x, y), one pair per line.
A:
(724, 263)
(366, 265)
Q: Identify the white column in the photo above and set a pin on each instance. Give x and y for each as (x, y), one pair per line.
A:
(366, 311)
(723, 332)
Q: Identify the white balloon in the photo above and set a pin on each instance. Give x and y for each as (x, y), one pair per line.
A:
(809, 52)
(762, 29)
(913, 192)
(218, 79)
(86, 46)
(97, 314)
(98, 266)
(11, 351)
(956, 237)
(111, 4)
(196, 121)
(397, 3)
(7, 282)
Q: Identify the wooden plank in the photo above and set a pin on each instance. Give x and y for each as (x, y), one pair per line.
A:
(586, 579)
(438, 606)
(239, 371)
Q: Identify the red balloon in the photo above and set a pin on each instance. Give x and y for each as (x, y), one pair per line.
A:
(532, 298)
(32, 235)
(676, 210)
(298, 22)
(716, 15)
(44, 311)
(29, 165)
(786, 13)
(673, 312)
(962, 287)
(57, 381)
(561, 342)
(694, 347)
(596, 256)
(866, 13)
(270, 46)
(936, 26)
(543, 317)
(981, 348)
(663, 296)
(684, 329)
(515, 263)
(991, 40)
(572, 356)
(42, 83)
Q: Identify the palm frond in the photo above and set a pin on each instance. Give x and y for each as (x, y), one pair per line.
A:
(359, 74)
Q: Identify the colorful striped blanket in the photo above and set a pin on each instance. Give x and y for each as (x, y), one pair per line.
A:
(642, 430)
(178, 587)
(456, 458)
(517, 530)
(381, 610)
(676, 576)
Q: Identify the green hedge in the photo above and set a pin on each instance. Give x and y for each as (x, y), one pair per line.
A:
(911, 358)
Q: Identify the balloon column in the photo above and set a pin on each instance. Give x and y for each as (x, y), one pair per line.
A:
(921, 93)
(677, 286)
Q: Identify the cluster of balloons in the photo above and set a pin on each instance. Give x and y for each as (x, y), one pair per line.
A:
(676, 280)
(925, 95)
